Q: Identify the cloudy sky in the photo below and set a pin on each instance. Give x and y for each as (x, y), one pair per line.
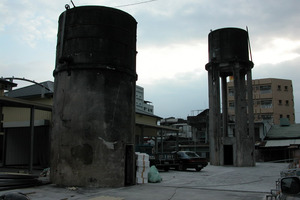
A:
(171, 43)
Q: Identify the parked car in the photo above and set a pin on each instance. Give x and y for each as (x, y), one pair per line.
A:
(190, 159)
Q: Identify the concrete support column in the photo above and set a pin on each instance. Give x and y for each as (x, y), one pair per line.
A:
(250, 104)
(240, 112)
(251, 148)
(214, 114)
(244, 132)
(224, 107)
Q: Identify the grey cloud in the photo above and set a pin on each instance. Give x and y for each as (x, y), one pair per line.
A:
(265, 19)
(177, 97)
(182, 22)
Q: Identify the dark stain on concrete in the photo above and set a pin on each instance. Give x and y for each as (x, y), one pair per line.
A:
(84, 153)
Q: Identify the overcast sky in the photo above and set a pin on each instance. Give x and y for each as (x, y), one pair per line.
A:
(172, 43)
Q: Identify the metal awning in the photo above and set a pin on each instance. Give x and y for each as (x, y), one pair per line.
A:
(282, 143)
(15, 102)
(157, 127)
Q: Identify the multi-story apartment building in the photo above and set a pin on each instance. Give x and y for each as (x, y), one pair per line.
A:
(272, 100)
(140, 104)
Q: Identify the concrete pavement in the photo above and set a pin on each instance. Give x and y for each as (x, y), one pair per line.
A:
(213, 182)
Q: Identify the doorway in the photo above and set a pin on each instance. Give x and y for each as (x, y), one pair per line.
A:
(1, 149)
(228, 155)
(129, 165)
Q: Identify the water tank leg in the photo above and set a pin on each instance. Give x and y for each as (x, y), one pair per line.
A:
(214, 114)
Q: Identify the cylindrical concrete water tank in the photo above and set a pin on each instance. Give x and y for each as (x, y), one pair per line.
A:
(228, 44)
(94, 98)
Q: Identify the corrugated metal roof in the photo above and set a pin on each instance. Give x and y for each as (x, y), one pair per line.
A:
(15, 102)
(282, 143)
(280, 132)
(32, 90)
(158, 127)
(146, 113)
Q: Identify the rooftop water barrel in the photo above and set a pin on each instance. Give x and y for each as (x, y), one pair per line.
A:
(94, 98)
(228, 44)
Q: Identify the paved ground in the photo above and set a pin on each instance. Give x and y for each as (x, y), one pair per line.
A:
(213, 182)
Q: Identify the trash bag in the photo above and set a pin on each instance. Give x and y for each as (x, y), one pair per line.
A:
(153, 175)
(45, 172)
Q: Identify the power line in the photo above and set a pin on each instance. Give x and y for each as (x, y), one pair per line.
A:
(133, 4)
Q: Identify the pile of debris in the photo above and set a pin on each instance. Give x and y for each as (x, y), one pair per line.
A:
(10, 181)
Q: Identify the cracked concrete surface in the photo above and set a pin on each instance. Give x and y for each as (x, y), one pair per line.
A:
(213, 182)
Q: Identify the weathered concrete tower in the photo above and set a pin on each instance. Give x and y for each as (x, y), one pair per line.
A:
(229, 56)
(94, 98)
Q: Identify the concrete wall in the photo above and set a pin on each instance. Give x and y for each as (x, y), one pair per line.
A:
(92, 124)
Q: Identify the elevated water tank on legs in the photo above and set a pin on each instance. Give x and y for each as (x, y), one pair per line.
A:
(228, 44)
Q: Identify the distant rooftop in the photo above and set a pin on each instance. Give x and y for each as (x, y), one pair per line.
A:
(44, 88)
(146, 113)
(284, 132)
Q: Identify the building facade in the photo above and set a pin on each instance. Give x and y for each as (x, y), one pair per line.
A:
(21, 142)
(273, 99)
(185, 130)
(140, 104)
(16, 108)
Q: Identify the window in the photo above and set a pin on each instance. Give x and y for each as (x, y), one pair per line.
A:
(265, 89)
(280, 116)
(266, 103)
(231, 92)
(279, 102)
(288, 116)
(266, 117)
(285, 88)
(287, 102)
(279, 87)
(231, 105)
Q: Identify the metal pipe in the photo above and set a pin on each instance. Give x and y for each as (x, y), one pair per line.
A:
(31, 139)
